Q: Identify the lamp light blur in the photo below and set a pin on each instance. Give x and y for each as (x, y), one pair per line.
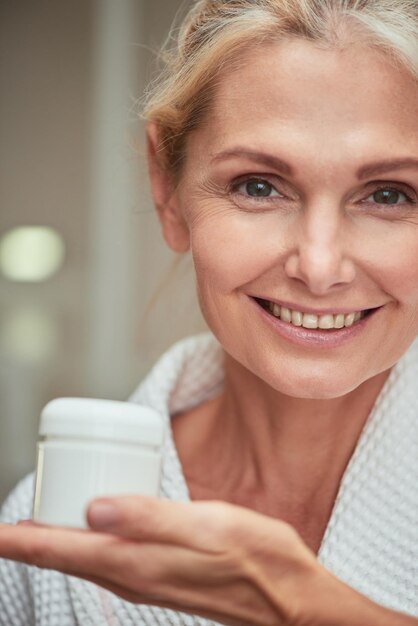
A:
(31, 253)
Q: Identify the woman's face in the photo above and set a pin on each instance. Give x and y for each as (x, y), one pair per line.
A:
(301, 189)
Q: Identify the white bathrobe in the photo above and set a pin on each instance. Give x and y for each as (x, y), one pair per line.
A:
(371, 541)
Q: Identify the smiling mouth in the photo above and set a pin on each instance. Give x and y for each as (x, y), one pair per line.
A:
(312, 321)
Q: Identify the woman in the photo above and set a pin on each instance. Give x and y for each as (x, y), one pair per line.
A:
(283, 145)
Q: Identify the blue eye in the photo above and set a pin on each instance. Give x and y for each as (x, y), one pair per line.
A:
(257, 189)
(388, 196)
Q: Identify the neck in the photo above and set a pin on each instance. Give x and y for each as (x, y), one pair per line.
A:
(308, 442)
(284, 456)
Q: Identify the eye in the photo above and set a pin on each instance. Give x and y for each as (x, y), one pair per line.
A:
(256, 188)
(388, 196)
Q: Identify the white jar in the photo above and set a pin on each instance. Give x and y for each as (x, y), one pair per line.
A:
(89, 448)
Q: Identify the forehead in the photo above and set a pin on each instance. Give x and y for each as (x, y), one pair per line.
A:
(297, 91)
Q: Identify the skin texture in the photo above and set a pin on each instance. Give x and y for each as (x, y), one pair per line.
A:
(294, 413)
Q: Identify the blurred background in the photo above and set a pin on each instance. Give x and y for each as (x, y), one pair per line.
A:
(81, 254)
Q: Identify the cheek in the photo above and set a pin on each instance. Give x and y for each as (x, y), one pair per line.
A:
(231, 251)
(406, 279)
(390, 259)
(397, 267)
(405, 288)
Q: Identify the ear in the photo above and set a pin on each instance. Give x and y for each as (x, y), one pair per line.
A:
(174, 228)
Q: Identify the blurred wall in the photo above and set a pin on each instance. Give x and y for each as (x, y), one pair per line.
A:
(72, 158)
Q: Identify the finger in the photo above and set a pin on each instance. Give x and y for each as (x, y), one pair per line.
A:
(81, 553)
(195, 525)
(103, 559)
(205, 526)
(55, 548)
(134, 572)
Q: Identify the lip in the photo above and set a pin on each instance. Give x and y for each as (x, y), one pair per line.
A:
(296, 307)
(315, 338)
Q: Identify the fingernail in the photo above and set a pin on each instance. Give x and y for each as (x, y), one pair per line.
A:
(103, 514)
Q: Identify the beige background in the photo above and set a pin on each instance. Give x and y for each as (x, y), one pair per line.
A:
(71, 157)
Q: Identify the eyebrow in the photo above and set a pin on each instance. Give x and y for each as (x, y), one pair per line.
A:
(259, 157)
(366, 171)
(389, 165)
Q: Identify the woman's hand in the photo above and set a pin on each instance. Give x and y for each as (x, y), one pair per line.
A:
(212, 559)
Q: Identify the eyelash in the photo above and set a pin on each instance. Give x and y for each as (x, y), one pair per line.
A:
(409, 200)
(234, 187)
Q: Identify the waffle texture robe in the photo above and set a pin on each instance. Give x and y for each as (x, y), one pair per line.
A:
(371, 541)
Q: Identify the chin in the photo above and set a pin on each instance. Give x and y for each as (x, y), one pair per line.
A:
(312, 386)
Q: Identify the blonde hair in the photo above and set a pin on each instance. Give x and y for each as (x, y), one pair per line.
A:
(214, 32)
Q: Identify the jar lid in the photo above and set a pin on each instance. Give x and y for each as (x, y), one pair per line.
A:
(88, 418)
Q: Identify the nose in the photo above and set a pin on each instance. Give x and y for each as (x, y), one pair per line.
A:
(320, 258)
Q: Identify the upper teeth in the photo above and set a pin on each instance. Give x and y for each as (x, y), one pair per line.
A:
(310, 320)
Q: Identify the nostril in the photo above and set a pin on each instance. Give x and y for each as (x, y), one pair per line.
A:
(320, 270)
